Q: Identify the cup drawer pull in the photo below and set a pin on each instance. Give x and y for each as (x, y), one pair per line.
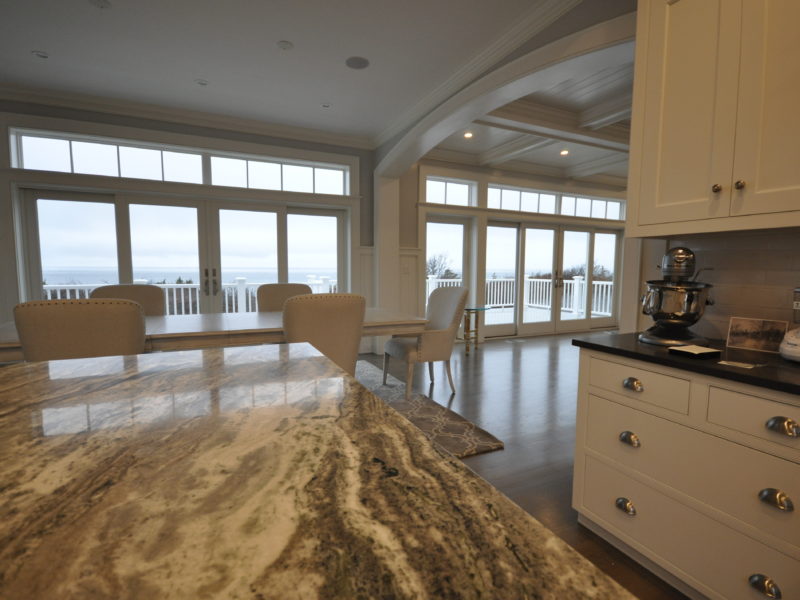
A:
(765, 585)
(776, 498)
(631, 383)
(784, 426)
(625, 506)
(630, 438)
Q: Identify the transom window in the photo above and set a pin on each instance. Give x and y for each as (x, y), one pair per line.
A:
(448, 191)
(552, 203)
(66, 153)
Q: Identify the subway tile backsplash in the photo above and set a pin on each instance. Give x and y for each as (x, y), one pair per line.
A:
(754, 274)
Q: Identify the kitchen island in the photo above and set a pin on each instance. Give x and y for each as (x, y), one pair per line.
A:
(249, 472)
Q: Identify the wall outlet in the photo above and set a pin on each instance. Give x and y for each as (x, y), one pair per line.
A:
(796, 305)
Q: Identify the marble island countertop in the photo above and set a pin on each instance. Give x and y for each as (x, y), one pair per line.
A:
(249, 472)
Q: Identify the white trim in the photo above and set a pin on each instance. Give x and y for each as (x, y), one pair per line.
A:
(187, 117)
(541, 16)
(513, 80)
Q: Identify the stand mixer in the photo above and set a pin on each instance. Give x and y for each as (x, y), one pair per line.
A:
(675, 302)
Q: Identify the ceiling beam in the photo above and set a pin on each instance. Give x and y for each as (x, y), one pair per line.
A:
(557, 124)
(512, 149)
(598, 165)
(606, 113)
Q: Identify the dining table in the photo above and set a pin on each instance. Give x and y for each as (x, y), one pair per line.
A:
(253, 472)
(208, 330)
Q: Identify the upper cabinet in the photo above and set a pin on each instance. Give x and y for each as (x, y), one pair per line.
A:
(715, 143)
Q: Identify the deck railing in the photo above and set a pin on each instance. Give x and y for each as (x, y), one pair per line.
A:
(538, 293)
(184, 298)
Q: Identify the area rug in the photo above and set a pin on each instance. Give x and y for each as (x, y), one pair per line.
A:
(449, 430)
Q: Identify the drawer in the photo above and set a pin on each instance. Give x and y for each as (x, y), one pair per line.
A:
(704, 553)
(727, 476)
(657, 389)
(749, 414)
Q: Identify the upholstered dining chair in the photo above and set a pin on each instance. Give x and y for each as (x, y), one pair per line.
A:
(271, 296)
(332, 323)
(445, 307)
(56, 329)
(151, 297)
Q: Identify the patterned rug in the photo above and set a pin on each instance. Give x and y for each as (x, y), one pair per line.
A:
(449, 430)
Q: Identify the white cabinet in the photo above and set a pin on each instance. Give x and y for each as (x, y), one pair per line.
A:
(679, 470)
(716, 125)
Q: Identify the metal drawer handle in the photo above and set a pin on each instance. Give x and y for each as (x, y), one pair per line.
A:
(776, 498)
(631, 383)
(784, 425)
(765, 585)
(630, 438)
(625, 506)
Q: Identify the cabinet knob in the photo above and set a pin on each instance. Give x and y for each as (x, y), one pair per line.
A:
(739, 184)
(716, 188)
(630, 438)
(776, 498)
(765, 585)
(784, 426)
(631, 383)
(625, 506)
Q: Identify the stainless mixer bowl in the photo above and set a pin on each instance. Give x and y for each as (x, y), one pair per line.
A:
(675, 304)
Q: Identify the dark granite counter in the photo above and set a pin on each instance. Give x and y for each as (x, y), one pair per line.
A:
(253, 472)
(774, 372)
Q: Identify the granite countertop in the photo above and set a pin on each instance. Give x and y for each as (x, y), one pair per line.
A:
(249, 472)
(774, 372)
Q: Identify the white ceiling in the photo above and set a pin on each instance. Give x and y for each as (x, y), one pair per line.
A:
(420, 51)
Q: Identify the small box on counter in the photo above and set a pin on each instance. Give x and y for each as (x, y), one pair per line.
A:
(695, 351)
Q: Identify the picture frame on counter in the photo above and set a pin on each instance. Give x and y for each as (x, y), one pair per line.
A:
(762, 335)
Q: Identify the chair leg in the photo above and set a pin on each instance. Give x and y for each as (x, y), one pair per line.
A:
(409, 378)
(449, 375)
(385, 366)
(430, 369)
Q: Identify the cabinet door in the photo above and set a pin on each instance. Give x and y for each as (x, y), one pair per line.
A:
(768, 129)
(686, 97)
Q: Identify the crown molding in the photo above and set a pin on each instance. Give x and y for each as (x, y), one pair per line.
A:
(187, 117)
(539, 18)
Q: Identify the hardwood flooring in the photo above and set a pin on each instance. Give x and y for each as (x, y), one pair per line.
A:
(524, 392)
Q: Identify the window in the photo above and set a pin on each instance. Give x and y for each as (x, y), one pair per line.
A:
(593, 208)
(526, 200)
(113, 158)
(445, 191)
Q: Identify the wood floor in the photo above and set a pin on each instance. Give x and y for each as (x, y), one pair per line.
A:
(524, 392)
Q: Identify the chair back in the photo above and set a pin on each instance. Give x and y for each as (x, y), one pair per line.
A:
(332, 323)
(151, 297)
(446, 307)
(56, 329)
(271, 296)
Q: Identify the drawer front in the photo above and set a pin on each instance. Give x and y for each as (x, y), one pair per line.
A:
(749, 414)
(704, 553)
(653, 388)
(727, 476)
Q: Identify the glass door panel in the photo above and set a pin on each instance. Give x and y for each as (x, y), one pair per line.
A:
(165, 252)
(501, 279)
(538, 283)
(313, 251)
(248, 256)
(444, 261)
(574, 261)
(604, 258)
(77, 247)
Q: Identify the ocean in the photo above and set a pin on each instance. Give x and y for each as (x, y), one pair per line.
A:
(100, 275)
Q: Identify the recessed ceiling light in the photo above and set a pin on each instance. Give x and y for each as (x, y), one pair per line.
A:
(357, 62)
(101, 4)
(40, 54)
(564, 152)
(201, 81)
(468, 134)
(284, 45)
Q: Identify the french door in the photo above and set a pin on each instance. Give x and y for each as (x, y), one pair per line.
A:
(208, 255)
(549, 279)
